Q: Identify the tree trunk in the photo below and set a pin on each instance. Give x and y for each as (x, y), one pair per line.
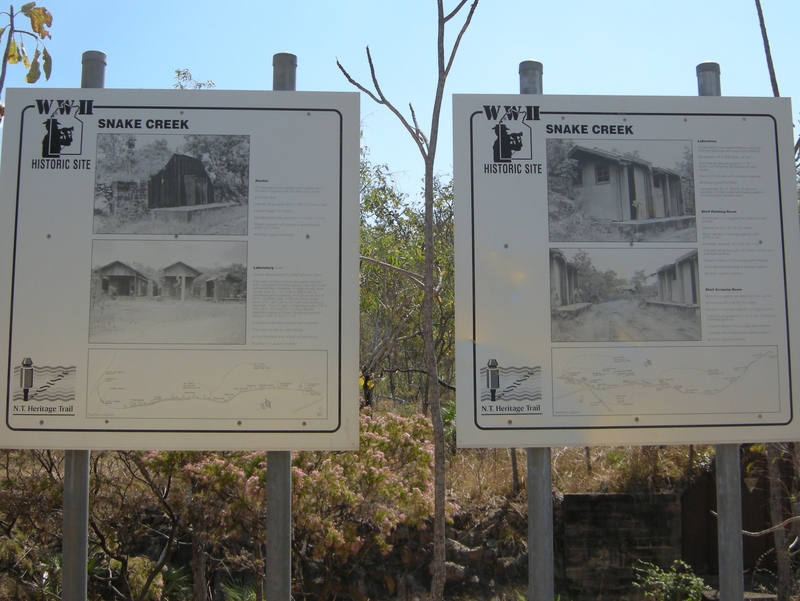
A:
(514, 472)
(427, 148)
(439, 552)
(10, 32)
(259, 582)
(794, 495)
(199, 559)
(776, 515)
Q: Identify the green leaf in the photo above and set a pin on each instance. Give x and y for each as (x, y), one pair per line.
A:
(2, 31)
(47, 63)
(13, 53)
(34, 73)
(26, 8)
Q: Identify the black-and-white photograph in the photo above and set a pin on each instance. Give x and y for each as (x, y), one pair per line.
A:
(624, 295)
(178, 292)
(620, 190)
(172, 184)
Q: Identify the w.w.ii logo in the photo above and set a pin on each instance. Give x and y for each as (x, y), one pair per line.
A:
(63, 126)
(513, 138)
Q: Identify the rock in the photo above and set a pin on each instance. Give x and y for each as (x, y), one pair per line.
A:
(463, 554)
(507, 567)
(455, 572)
(409, 590)
(473, 538)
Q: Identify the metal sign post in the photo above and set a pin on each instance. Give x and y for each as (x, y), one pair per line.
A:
(75, 541)
(540, 488)
(729, 487)
(279, 463)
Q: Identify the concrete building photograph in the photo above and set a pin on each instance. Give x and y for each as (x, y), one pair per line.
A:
(639, 191)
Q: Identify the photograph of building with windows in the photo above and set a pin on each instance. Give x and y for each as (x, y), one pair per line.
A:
(606, 194)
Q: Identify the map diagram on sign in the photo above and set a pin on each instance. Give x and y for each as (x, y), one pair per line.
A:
(202, 384)
(659, 381)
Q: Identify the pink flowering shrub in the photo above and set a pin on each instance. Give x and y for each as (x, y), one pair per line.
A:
(204, 512)
(221, 499)
(342, 501)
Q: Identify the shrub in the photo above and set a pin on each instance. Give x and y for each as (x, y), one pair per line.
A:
(342, 500)
(676, 584)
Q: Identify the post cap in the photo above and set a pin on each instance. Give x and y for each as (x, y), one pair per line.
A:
(284, 57)
(531, 65)
(94, 55)
(708, 67)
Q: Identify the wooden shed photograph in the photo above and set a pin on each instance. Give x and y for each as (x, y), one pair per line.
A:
(119, 279)
(172, 184)
(183, 182)
(178, 280)
(220, 286)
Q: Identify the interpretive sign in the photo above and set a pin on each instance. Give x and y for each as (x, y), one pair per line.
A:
(179, 269)
(624, 270)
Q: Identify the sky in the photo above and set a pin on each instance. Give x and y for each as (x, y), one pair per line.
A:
(617, 47)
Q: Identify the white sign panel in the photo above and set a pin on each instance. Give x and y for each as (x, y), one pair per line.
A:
(179, 269)
(624, 270)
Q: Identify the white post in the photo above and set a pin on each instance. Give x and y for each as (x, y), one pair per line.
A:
(540, 489)
(75, 525)
(729, 486)
(279, 463)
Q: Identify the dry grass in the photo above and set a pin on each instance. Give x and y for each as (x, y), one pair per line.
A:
(627, 469)
(129, 319)
(483, 476)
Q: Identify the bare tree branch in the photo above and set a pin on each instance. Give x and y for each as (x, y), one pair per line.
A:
(381, 99)
(385, 346)
(162, 561)
(460, 34)
(420, 133)
(410, 370)
(783, 524)
(414, 277)
(772, 78)
(455, 11)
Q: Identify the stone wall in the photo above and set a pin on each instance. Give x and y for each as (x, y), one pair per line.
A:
(599, 537)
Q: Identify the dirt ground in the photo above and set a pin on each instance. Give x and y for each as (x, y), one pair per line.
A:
(162, 320)
(627, 320)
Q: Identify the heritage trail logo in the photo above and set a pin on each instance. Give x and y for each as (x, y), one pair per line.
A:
(63, 134)
(512, 147)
